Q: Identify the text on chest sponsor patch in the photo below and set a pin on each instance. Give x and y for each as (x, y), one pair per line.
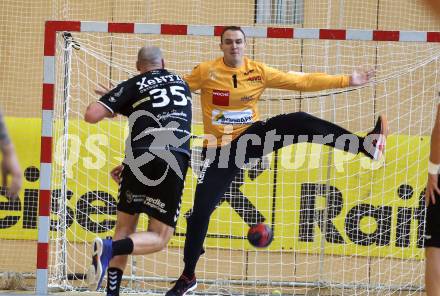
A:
(232, 117)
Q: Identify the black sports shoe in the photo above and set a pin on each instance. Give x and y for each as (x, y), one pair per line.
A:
(379, 133)
(182, 286)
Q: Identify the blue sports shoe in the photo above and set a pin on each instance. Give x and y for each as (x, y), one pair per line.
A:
(102, 253)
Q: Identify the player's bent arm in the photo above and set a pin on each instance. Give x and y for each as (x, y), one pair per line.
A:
(194, 79)
(96, 112)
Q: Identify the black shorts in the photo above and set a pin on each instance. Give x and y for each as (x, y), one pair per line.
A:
(432, 229)
(161, 201)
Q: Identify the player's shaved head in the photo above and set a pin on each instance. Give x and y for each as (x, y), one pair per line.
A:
(150, 56)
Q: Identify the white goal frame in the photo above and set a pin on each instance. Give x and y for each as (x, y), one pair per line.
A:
(48, 89)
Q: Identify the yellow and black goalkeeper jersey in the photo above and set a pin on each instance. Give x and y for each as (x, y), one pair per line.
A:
(229, 96)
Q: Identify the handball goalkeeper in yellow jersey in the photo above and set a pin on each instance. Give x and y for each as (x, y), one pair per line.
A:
(230, 89)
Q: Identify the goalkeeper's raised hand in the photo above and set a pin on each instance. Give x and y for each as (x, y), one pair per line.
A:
(361, 77)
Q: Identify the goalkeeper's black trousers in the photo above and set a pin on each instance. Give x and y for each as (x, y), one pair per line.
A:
(219, 168)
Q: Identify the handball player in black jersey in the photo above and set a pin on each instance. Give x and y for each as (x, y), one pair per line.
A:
(158, 106)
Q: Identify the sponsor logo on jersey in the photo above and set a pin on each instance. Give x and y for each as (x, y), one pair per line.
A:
(249, 72)
(219, 116)
(145, 84)
(142, 84)
(128, 196)
(146, 99)
(176, 216)
(136, 198)
(112, 99)
(205, 166)
(255, 79)
(246, 99)
(155, 203)
(173, 114)
(220, 97)
(119, 92)
(212, 75)
(232, 117)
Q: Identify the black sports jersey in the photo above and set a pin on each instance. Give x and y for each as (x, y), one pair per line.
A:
(158, 106)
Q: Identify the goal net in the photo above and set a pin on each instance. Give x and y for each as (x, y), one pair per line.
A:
(342, 223)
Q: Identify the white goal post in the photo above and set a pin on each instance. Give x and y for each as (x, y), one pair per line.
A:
(341, 223)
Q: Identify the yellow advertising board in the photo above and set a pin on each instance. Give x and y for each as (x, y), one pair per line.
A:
(315, 198)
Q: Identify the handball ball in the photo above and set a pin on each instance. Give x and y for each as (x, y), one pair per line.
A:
(260, 235)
